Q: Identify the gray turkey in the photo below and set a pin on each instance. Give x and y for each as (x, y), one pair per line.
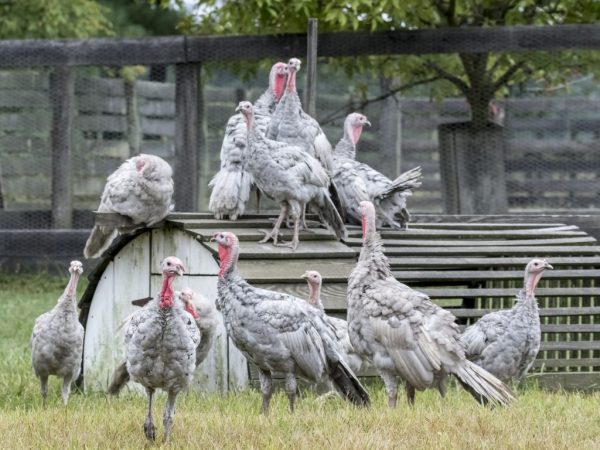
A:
(356, 181)
(290, 124)
(290, 176)
(280, 333)
(205, 315)
(141, 190)
(340, 326)
(161, 348)
(505, 343)
(231, 185)
(404, 334)
(57, 339)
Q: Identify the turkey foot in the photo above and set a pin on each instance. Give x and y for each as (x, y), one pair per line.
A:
(150, 429)
(274, 235)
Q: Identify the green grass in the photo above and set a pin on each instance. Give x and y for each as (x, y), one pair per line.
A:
(537, 420)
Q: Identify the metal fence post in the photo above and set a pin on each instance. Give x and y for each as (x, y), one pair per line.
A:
(310, 96)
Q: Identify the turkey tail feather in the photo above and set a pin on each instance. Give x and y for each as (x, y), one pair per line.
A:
(100, 239)
(349, 386)
(119, 379)
(330, 215)
(484, 386)
(230, 192)
(407, 181)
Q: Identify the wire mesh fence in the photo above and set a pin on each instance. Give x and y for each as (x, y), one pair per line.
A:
(550, 133)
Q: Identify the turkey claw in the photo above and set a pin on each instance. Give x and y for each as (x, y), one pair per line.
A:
(150, 431)
(292, 244)
(268, 236)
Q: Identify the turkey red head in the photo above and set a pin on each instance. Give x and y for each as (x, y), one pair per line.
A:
(353, 126)
(533, 272)
(367, 213)
(314, 280)
(228, 250)
(187, 297)
(172, 266)
(277, 79)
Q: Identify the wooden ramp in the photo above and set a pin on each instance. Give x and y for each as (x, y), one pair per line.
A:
(468, 268)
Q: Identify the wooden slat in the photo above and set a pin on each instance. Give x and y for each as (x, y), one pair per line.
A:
(571, 345)
(254, 234)
(484, 275)
(535, 233)
(458, 263)
(533, 251)
(571, 328)
(544, 312)
(306, 250)
(272, 271)
(567, 362)
(577, 381)
(583, 240)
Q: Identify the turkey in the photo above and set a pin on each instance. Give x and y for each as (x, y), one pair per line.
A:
(140, 190)
(280, 333)
(340, 326)
(403, 334)
(358, 182)
(505, 343)
(231, 185)
(290, 176)
(57, 339)
(290, 124)
(161, 348)
(204, 313)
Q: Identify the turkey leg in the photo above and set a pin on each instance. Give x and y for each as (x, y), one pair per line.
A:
(66, 388)
(290, 389)
(266, 387)
(44, 388)
(391, 387)
(274, 233)
(149, 428)
(168, 416)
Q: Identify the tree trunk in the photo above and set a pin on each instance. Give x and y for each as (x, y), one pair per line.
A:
(472, 168)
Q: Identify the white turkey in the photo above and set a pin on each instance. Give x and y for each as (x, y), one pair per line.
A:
(290, 124)
(141, 190)
(290, 176)
(205, 315)
(280, 333)
(403, 333)
(57, 339)
(356, 181)
(505, 343)
(231, 185)
(161, 348)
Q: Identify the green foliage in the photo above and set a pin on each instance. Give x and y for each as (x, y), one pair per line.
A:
(47, 19)
(136, 18)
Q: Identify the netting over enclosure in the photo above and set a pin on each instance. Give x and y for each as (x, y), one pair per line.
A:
(64, 128)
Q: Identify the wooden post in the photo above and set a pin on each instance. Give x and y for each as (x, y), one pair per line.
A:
(134, 135)
(390, 135)
(186, 136)
(472, 168)
(62, 94)
(310, 94)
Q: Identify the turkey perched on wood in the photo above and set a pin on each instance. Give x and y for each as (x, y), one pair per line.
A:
(290, 176)
(140, 190)
(280, 333)
(340, 326)
(231, 185)
(403, 334)
(505, 343)
(161, 347)
(356, 181)
(57, 339)
(290, 124)
(205, 314)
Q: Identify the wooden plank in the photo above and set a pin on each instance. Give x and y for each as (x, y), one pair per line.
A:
(570, 381)
(476, 226)
(582, 240)
(310, 91)
(485, 275)
(571, 328)
(567, 362)
(255, 235)
(541, 252)
(269, 271)
(186, 136)
(544, 312)
(212, 223)
(535, 233)
(570, 345)
(305, 250)
(462, 263)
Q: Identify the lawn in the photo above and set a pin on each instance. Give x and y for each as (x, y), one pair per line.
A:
(537, 420)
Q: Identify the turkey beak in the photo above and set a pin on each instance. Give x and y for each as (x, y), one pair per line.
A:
(304, 276)
(238, 109)
(180, 269)
(367, 123)
(547, 266)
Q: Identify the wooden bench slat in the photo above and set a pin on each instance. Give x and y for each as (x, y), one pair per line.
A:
(257, 271)
(570, 345)
(580, 240)
(542, 251)
(306, 250)
(254, 234)
(544, 312)
(465, 262)
(467, 275)
(566, 362)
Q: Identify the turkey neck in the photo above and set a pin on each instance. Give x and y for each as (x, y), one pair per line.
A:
(530, 283)
(314, 295)
(264, 104)
(347, 145)
(166, 293)
(69, 295)
(371, 252)
(228, 258)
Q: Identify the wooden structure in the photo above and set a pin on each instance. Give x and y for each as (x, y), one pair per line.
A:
(469, 267)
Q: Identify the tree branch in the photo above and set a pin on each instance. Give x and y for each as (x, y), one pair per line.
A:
(341, 112)
(505, 78)
(464, 88)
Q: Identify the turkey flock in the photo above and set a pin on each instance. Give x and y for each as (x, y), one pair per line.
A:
(280, 151)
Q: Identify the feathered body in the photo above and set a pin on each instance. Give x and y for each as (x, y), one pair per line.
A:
(357, 182)
(290, 176)
(141, 189)
(403, 334)
(280, 333)
(505, 343)
(161, 347)
(57, 339)
(232, 184)
(339, 326)
(290, 124)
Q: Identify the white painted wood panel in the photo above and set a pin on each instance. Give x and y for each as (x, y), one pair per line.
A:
(174, 242)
